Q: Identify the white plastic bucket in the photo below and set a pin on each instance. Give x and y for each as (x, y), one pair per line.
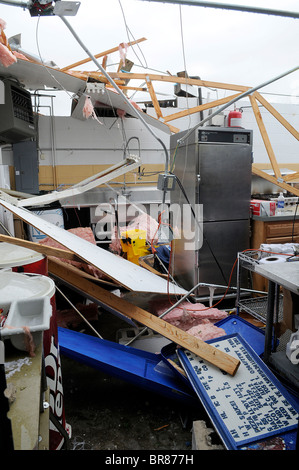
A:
(21, 259)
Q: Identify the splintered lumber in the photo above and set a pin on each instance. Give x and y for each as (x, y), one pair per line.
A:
(204, 350)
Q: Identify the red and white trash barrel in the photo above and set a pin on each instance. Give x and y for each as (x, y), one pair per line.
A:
(15, 262)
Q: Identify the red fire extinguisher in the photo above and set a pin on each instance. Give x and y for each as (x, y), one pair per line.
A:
(235, 118)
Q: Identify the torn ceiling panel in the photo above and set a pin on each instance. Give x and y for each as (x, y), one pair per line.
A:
(123, 272)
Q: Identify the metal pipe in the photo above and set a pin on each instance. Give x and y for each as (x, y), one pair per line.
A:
(228, 6)
(79, 313)
(242, 95)
(17, 3)
(135, 112)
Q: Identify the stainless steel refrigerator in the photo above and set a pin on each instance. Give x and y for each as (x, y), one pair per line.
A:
(213, 170)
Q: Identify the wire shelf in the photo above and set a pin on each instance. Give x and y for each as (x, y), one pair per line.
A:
(249, 259)
(257, 307)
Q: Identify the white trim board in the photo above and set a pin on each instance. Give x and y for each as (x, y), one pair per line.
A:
(125, 273)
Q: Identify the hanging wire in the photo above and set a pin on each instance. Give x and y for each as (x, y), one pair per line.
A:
(129, 32)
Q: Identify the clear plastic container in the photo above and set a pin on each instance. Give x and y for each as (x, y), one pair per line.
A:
(280, 204)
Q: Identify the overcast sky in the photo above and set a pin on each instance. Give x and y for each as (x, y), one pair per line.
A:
(217, 45)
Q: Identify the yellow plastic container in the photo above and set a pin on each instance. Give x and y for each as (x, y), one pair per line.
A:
(133, 243)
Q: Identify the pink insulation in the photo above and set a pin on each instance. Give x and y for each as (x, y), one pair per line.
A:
(142, 222)
(6, 56)
(194, 318)
(88, 108)
(206, 330)
(82, 232)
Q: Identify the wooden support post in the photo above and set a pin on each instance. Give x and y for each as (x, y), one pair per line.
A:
(206, 351)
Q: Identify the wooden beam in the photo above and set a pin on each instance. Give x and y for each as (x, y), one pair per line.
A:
(265, 136)
(206, 351)
(291, 177)
(175, 79)
(272, 179)
(197, 109)
(153, 97)
(97, 56)
(277, 115)
(84, 75)
(43, 249)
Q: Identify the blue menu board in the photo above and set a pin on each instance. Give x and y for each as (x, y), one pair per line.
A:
(246, 408)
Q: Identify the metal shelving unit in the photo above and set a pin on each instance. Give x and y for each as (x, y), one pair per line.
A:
(257, 306)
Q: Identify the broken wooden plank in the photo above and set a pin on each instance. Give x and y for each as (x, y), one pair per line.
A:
(127, 274)
(43, 249)
(176, 79)
(204, 350)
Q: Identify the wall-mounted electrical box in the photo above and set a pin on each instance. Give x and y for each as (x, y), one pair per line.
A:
(17, 121)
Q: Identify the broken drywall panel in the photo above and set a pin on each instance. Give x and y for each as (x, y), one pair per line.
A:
(125, 273)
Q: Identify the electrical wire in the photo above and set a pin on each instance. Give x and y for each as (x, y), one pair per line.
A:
(42, 61)
(184, 59)
(129, 32)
